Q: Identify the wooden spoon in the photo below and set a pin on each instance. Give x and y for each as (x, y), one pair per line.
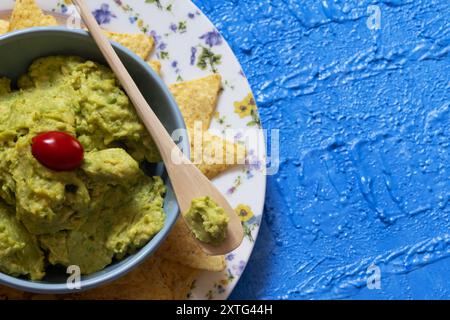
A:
(187, 180)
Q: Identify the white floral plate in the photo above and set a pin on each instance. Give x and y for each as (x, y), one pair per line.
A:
(189, 47)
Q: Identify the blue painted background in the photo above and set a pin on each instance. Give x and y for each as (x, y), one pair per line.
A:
(365, 158)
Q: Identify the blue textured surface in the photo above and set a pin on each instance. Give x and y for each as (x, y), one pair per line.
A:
(365, 132)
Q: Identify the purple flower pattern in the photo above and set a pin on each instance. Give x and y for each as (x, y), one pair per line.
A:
(239, 268)
(193, 55)
(63, 8)
(160, 45)
(173, 27)
(212, 38)
(103, 15)
(230, 257)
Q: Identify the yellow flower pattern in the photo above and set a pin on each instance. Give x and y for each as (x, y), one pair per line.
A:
(245, 107)
(244, 212)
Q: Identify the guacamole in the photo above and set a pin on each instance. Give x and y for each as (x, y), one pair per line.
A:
(101, 211)
(207, 221)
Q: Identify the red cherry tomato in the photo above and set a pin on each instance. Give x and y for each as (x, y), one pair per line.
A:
(57, 151)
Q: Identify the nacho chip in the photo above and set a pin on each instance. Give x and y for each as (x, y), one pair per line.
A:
(27, 14)
(144, 283)
(4, 26)
(178, 278)
(218, 155)
(181, 247)
(139, 43)
(155, 65)
(197, 99)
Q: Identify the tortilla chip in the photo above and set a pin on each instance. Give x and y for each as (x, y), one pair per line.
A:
(4, 26)
(27, 14)
(213, 163)
(178, 278)
(180, 247)
(144, 283)
(139, 43)
(155, 65)
(197, 99)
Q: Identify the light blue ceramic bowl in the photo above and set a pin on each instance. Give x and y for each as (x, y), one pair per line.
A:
(17, 51)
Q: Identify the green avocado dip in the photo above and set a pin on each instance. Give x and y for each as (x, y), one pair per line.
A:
(90, 216)
(207, 221)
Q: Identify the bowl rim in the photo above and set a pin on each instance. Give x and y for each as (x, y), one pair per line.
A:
(121, 267)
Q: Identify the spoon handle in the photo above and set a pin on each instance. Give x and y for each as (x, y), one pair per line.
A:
(164, 142)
